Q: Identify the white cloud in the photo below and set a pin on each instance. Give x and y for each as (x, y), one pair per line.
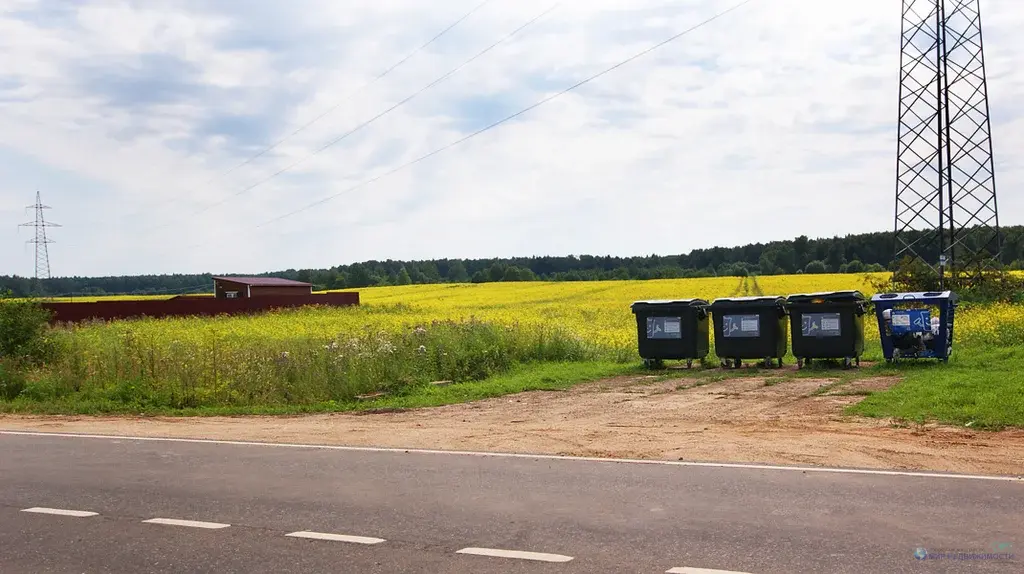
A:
(777, 119)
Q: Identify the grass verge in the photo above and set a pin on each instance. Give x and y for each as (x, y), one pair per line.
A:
(532, 377)
(983, 388)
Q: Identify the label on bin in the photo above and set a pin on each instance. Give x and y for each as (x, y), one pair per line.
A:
(741, 325)
(820, 325)
(900, 320)
(911, 321)
(664, 328)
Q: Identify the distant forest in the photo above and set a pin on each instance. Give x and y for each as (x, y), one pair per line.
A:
(850, 254)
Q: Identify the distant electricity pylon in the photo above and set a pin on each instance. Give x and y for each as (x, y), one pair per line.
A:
(42, 252)
(946, 210)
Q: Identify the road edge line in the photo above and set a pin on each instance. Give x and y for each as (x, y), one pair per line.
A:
(397, 450)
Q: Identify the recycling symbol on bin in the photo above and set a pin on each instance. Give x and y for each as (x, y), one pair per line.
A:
(733, 326)
(810, 326)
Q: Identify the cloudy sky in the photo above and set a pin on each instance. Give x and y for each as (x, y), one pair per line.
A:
(134, 120)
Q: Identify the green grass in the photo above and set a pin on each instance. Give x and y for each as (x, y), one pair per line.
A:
(531, 377)
(981, 387)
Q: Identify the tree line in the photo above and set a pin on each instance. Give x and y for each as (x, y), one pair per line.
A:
(850, 254)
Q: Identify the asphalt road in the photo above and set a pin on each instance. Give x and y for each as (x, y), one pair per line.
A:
(420, 510)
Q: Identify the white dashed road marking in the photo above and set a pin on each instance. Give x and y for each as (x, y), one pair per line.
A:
(336, 537)
(540, 556)
(60, 512)
(191, 523)
(687, 570)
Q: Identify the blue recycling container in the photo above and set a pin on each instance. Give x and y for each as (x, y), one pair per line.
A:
(909, 330)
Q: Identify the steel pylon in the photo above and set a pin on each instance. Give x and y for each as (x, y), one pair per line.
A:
(946, 212)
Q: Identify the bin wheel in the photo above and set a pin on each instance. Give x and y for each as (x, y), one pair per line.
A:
(653, 363)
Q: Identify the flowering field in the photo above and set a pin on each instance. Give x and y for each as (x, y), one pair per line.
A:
(399, 339)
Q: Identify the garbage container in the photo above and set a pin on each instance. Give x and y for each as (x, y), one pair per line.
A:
(908, 328)
(672, 330)
(827, 326)
(750, 328)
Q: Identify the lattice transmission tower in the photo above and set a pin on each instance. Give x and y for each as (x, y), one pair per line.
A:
(946, 211)
(40, 239)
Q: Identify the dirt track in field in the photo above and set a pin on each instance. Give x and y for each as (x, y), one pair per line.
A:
(797, 421)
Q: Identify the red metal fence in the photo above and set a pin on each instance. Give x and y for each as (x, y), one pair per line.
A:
(191, 306)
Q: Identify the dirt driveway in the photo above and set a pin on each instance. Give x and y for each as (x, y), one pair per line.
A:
(795, 421)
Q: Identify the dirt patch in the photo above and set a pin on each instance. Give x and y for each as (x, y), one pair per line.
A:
(763, 420)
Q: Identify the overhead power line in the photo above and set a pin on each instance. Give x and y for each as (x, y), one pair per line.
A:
(366, 123)
(363, 87)
(342, 101)
(512, 116)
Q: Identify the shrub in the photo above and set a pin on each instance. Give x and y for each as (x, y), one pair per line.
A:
(12, 379)
(816, 267)
(979, 285)
(855, 266)
(23, 326)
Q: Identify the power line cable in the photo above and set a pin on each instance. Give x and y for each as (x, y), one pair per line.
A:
(366, 123)
(344, 100)
(512, 116)
(364, 86)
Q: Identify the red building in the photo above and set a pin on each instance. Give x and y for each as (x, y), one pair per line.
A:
(247, 287)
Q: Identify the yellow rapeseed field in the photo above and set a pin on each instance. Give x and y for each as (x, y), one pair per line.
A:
(402, 336)
(597, 311)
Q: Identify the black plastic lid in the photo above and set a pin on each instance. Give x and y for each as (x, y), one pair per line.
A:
(827, 296)
(660, 303)
(751, 300)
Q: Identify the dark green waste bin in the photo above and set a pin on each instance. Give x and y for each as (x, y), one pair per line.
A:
(828, 325)
(671, 330)
(750, 328)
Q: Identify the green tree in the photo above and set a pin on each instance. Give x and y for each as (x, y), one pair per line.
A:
(403, 278)
(496, 272)
(816, 266)
(836, 256)
(359, 276)
(457, 272)
(785, 258)
(801, 245)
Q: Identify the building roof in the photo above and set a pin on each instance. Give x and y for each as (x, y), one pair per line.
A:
(263, 281)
